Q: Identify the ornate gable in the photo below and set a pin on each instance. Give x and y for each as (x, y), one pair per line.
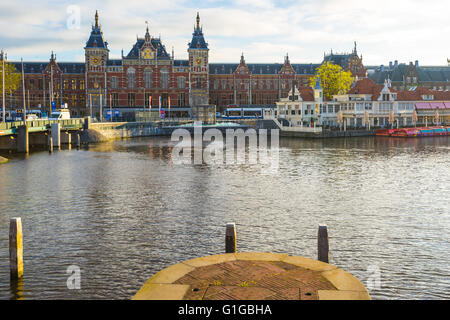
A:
(242, 69)
(287, 68)
(52, 67)
(147, 51)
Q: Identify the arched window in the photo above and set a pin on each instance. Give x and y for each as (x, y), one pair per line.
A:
(131, 78)
(148, 78)
(181, 82)
(164, 79)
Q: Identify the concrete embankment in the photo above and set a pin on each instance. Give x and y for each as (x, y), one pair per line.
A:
(3, 160)
(100, 132)
(328, 134)
(289, 132)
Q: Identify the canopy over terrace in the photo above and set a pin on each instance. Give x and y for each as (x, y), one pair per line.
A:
(425, 110)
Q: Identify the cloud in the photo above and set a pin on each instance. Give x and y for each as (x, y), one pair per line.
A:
(264, 30)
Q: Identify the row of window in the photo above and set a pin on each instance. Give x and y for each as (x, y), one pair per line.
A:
(148, 79)
(243, 84)
(180, 101)
(224, 99)
(34, 100)
(294, 112)
(68, 84)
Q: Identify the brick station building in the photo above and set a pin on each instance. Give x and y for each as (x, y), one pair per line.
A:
(149, 72)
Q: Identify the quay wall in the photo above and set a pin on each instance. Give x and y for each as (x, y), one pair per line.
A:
(99, 132)
(271, 124)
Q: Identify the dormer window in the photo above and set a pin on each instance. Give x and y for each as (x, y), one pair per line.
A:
(385, 97)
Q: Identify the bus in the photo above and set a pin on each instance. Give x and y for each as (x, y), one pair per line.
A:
(17, 115)
(242, 113)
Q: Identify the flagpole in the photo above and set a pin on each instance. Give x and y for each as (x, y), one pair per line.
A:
(51, 88)
(110, 107)
(101, 108)
(160, 107)
(50, 101)
(23, 94)
(3, 86)
(90, 103)
(150, 108)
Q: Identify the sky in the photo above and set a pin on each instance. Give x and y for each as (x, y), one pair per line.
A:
(264, 30)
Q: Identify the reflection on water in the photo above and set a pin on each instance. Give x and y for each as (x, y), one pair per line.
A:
(122, 211)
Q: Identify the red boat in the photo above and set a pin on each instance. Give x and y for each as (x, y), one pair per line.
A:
(385, 132)
(407, 132)
(415, 132)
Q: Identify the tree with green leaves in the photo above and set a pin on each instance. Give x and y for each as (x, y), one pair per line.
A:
(12, 78)
(333, 79)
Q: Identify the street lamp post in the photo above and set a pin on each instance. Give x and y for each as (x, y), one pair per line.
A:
(3, 86)
(23, 96)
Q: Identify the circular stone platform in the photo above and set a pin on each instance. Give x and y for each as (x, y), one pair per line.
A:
(252, 276)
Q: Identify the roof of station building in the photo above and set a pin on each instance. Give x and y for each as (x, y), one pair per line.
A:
(156, 43)
(399, 72)
(39, 67)
(181, 63)
(114, 63)
(198, 40)
(96, 39)
(261, 68)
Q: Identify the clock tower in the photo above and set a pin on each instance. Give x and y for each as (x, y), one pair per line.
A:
(198, 68)
(96, 57)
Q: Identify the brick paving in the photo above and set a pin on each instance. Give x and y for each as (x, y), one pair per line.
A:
(253, 280)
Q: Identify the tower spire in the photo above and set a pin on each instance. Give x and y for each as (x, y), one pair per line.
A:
(96, 18)
(147, 33)
(198, 21)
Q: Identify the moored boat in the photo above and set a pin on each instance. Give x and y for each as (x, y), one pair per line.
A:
(415, 132)
(385, 132)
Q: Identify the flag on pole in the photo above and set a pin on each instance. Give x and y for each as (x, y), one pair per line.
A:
(366, 118)
(391, 116)
(159, 103)
(414, 117)
(150, 103)
(169, 103)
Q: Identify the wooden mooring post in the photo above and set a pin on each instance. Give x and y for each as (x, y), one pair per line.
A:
(50, 144)
(15, 248)
(230, 238)
(323, 252)
(78, 141)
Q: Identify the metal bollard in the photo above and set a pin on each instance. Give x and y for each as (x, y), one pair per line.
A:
(15, 248)
(230, 238)
(323, 253)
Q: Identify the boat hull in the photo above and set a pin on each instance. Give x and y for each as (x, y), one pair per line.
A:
(414, 132)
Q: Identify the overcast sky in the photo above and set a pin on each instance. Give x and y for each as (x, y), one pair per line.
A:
(265, 30)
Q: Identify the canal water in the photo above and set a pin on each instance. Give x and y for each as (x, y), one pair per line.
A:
(122, 211)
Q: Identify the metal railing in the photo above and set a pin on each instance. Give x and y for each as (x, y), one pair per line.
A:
(67, 123)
